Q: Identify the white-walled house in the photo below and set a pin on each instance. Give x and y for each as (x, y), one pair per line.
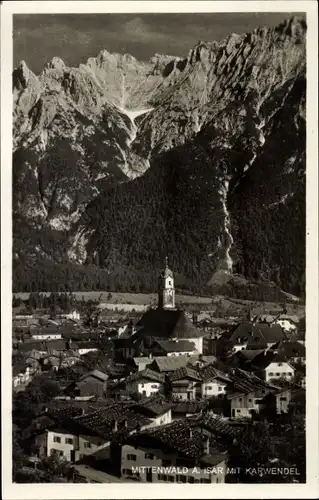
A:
(214, 382)
(279, 370)
(145, 382)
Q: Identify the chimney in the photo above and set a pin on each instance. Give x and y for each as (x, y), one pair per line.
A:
(115, 426)
(206, 445)
(190, 433)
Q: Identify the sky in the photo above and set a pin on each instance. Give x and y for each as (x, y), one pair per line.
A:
(37, 38)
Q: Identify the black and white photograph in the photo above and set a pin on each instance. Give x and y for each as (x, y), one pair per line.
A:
(159, 223)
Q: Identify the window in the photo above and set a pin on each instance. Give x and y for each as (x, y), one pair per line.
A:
(154, 386)
(271, 374)
(203, 480)
(142, 385)
(209, 388)
(87, 444)
(220, 388)
(171, 479)
(190, 479)
(289, 374)
(56, 439)
(131, 457)
(277, 374)
(68, 440)
(150, 456)
(283, 399)
(250, 400)
(238, 411)
(240, 399)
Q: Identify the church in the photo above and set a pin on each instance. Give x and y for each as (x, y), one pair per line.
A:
(165, 323)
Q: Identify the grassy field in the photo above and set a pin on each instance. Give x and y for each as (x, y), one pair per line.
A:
(224, 304)
(128, 298)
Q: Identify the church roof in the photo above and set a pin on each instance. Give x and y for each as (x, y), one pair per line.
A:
(165, 324)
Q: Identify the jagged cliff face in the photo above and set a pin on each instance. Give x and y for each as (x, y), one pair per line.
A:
(128, 160)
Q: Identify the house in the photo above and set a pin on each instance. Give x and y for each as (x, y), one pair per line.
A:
(213, 382)
(93, 383)
(249, 335)
(271, 366)
(146, 382)
(246, 393)
(183, 383)
(73, 434)
(173, 348)
(175, 453)
(281, 400)
(292, 350)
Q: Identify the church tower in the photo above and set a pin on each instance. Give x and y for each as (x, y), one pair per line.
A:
(166, 290)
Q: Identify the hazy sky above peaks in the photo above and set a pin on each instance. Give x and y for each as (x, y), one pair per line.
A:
(37, 38)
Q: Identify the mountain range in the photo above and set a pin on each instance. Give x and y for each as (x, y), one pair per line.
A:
(120, 162)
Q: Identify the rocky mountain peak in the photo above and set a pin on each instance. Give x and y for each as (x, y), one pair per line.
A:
(22, 75)
(141, 147)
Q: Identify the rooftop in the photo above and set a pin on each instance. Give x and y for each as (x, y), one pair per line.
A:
(176, 346)
(146, 374)
(180, 436)
(166, 324)
(185, 373)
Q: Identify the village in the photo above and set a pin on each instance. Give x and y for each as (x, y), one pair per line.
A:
(157, 393)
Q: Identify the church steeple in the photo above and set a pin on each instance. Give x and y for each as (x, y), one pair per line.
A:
(166, 290)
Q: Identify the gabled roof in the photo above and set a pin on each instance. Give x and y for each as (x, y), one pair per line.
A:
(209, 372)
(248, 354)
(290, 349)
(165, 324)
(185, 373)
(186, 407)
(152, 407)
(176, 346)
(181, 436)
(256, 333)
(146, 374)
(96, 374)
(169, 363)
(244, 382)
